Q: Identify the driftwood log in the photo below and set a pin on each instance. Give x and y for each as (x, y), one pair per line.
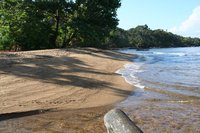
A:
(116, 121)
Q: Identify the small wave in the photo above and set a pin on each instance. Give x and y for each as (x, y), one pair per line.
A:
(158, 53)
(129, 74)
(195, 54)
(178, 54)
(175, 54)
(158, 66)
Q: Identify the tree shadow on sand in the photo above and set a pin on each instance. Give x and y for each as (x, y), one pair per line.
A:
(64, 70)
(107, 54)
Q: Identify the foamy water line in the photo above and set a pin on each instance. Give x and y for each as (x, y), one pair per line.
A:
(129, 74)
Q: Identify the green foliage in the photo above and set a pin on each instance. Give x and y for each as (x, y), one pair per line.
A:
(143, 37)
(27, 27)
(140, 36)
(92, 21)
(40, 24)
(118, 38)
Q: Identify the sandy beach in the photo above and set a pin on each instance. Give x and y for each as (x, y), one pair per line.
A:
(60, 90)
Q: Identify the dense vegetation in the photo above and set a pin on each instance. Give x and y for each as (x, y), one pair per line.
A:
(41, 24)
(143, 37)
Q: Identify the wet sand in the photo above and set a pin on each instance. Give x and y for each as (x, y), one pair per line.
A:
(87, 120)
(168, 96)
(156, 111)
(69, 91)
(60, 90)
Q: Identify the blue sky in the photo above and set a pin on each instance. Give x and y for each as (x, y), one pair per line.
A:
(178, 16)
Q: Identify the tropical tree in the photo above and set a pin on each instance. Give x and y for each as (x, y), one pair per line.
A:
(92, 21)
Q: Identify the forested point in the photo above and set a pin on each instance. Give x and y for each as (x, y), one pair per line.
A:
(143, 37)
(44, 24)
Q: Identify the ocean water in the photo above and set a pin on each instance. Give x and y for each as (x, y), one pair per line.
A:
(167, 94)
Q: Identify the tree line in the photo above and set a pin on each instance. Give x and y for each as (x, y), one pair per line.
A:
(143, 37)
(42, 24)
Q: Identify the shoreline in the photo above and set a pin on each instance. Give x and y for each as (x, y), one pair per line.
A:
(80, 80)
(165, 105)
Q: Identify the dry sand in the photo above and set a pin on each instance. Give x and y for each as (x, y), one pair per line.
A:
(74, 87)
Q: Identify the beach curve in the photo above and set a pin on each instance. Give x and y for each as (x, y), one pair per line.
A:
(64, 81)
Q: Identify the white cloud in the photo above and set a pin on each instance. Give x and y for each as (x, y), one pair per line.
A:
(191, 26)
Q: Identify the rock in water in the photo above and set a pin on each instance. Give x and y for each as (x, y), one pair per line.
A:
(116, 121)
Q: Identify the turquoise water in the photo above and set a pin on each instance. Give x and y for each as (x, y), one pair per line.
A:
(166, 97)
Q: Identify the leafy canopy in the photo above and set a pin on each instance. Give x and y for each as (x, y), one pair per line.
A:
(40, 24)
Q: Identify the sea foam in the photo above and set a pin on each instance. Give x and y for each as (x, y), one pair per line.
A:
(129, 74)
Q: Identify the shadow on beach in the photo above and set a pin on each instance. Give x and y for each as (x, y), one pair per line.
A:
(24, 71)
(63, 71)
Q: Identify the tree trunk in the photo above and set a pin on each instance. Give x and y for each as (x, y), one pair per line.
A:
(64, 44)
(54, 38)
